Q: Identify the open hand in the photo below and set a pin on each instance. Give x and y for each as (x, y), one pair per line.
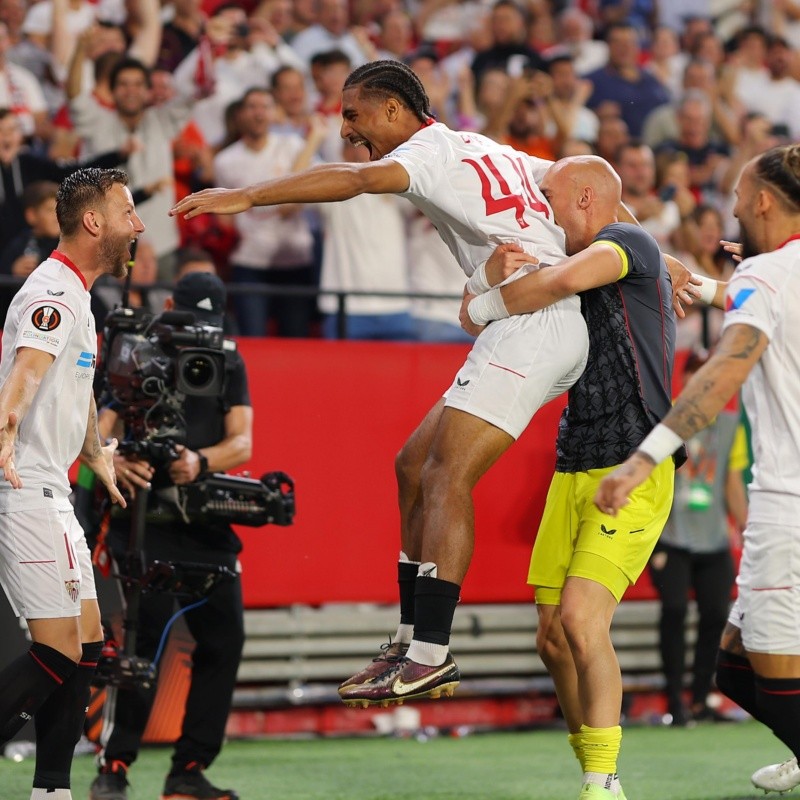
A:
(212, 201)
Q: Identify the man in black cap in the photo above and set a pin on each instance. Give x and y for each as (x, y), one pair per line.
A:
(219, 438)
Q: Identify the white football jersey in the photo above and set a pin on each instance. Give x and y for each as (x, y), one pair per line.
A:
(764, 293)
(479, 194)
(51, 312)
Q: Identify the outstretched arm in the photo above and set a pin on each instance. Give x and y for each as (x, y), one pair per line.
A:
(321, 184)
(706, 394)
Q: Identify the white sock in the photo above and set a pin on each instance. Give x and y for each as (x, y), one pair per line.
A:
(405, 633)
(51, 794)
(428, 570)
(610, 782)
(433, 655)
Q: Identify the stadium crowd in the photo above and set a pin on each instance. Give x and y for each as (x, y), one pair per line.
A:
(193, 93)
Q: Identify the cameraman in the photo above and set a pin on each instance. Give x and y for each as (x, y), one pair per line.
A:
(219, 437)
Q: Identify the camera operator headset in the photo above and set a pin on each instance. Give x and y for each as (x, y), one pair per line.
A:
(219, 437)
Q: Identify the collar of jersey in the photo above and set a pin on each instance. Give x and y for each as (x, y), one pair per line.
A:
(67, 262)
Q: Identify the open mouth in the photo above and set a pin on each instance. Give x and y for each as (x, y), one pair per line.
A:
(359, 142)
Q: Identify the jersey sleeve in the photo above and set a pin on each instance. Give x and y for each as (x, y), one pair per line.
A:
(538, 167)
(423, 160)
(637, 249)
(752, 299)
(45, 323)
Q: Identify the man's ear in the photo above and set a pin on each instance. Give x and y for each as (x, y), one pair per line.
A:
(91, 224)
(392, 109)
(586, 197)
(169, 304)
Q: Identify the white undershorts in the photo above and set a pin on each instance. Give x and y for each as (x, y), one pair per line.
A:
(45, 563)
(767, 610)
(518, 364)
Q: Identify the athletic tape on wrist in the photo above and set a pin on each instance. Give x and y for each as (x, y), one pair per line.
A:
(487, 307)
(660, 443)
(477, 284)
(707, 287)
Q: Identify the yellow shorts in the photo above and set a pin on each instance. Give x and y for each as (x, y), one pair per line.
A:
(576, 539)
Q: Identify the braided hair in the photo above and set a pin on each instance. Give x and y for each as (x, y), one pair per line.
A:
(780, 168)
(383, 79)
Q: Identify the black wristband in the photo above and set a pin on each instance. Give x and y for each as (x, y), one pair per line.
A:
(203, 463)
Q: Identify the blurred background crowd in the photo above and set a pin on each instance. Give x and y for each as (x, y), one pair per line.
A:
(186, 94)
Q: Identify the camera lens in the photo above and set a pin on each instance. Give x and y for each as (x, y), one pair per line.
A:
(199, 371)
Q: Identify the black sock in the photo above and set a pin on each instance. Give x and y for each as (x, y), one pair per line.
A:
(59, 723)
(26, 683)
(778, 702)
(407, 580)
(435, 605)
(736, 679)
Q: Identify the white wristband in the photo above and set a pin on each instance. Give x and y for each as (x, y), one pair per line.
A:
(487, 307)
(660, 443)
(477, 284)
(707, 287)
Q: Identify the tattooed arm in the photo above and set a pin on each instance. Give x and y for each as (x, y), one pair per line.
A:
(712, 386)
(98, 458)
(706, 394)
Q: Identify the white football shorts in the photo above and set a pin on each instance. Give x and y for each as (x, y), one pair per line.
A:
(45, 563)
(767, 609)
(518, 364)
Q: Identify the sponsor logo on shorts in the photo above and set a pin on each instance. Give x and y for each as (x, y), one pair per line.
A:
(461, 384)
(608, 533)
(46, 318)
(73, 590)
(47, 492)
(55, 294)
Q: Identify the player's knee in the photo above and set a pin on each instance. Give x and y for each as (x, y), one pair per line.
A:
(551, 645)
(407, 469)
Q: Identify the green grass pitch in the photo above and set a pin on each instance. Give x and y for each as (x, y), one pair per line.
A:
(708, 762)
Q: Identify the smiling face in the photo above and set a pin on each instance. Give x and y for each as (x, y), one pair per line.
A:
(121, 227)
(373, 122)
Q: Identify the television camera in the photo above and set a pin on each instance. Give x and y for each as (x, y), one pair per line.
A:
(149, 366)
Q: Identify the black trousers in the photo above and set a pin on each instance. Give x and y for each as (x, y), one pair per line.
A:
(710, 576)
(218, 629)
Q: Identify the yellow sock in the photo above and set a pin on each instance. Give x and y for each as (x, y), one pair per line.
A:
(576, 743)
(601, 748)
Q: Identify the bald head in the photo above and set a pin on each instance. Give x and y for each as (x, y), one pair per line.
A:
(585, 193)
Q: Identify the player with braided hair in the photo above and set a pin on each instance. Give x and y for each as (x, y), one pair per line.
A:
(477, 193)
(758, 664)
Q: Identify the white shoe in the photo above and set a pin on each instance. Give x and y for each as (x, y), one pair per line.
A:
(777, 777)
(51, 794)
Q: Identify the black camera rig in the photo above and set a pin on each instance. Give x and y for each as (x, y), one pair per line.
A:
(149, 365)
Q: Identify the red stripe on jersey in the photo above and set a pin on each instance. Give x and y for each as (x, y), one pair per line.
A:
(507, 369)
(67, 262)
(49, 302)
